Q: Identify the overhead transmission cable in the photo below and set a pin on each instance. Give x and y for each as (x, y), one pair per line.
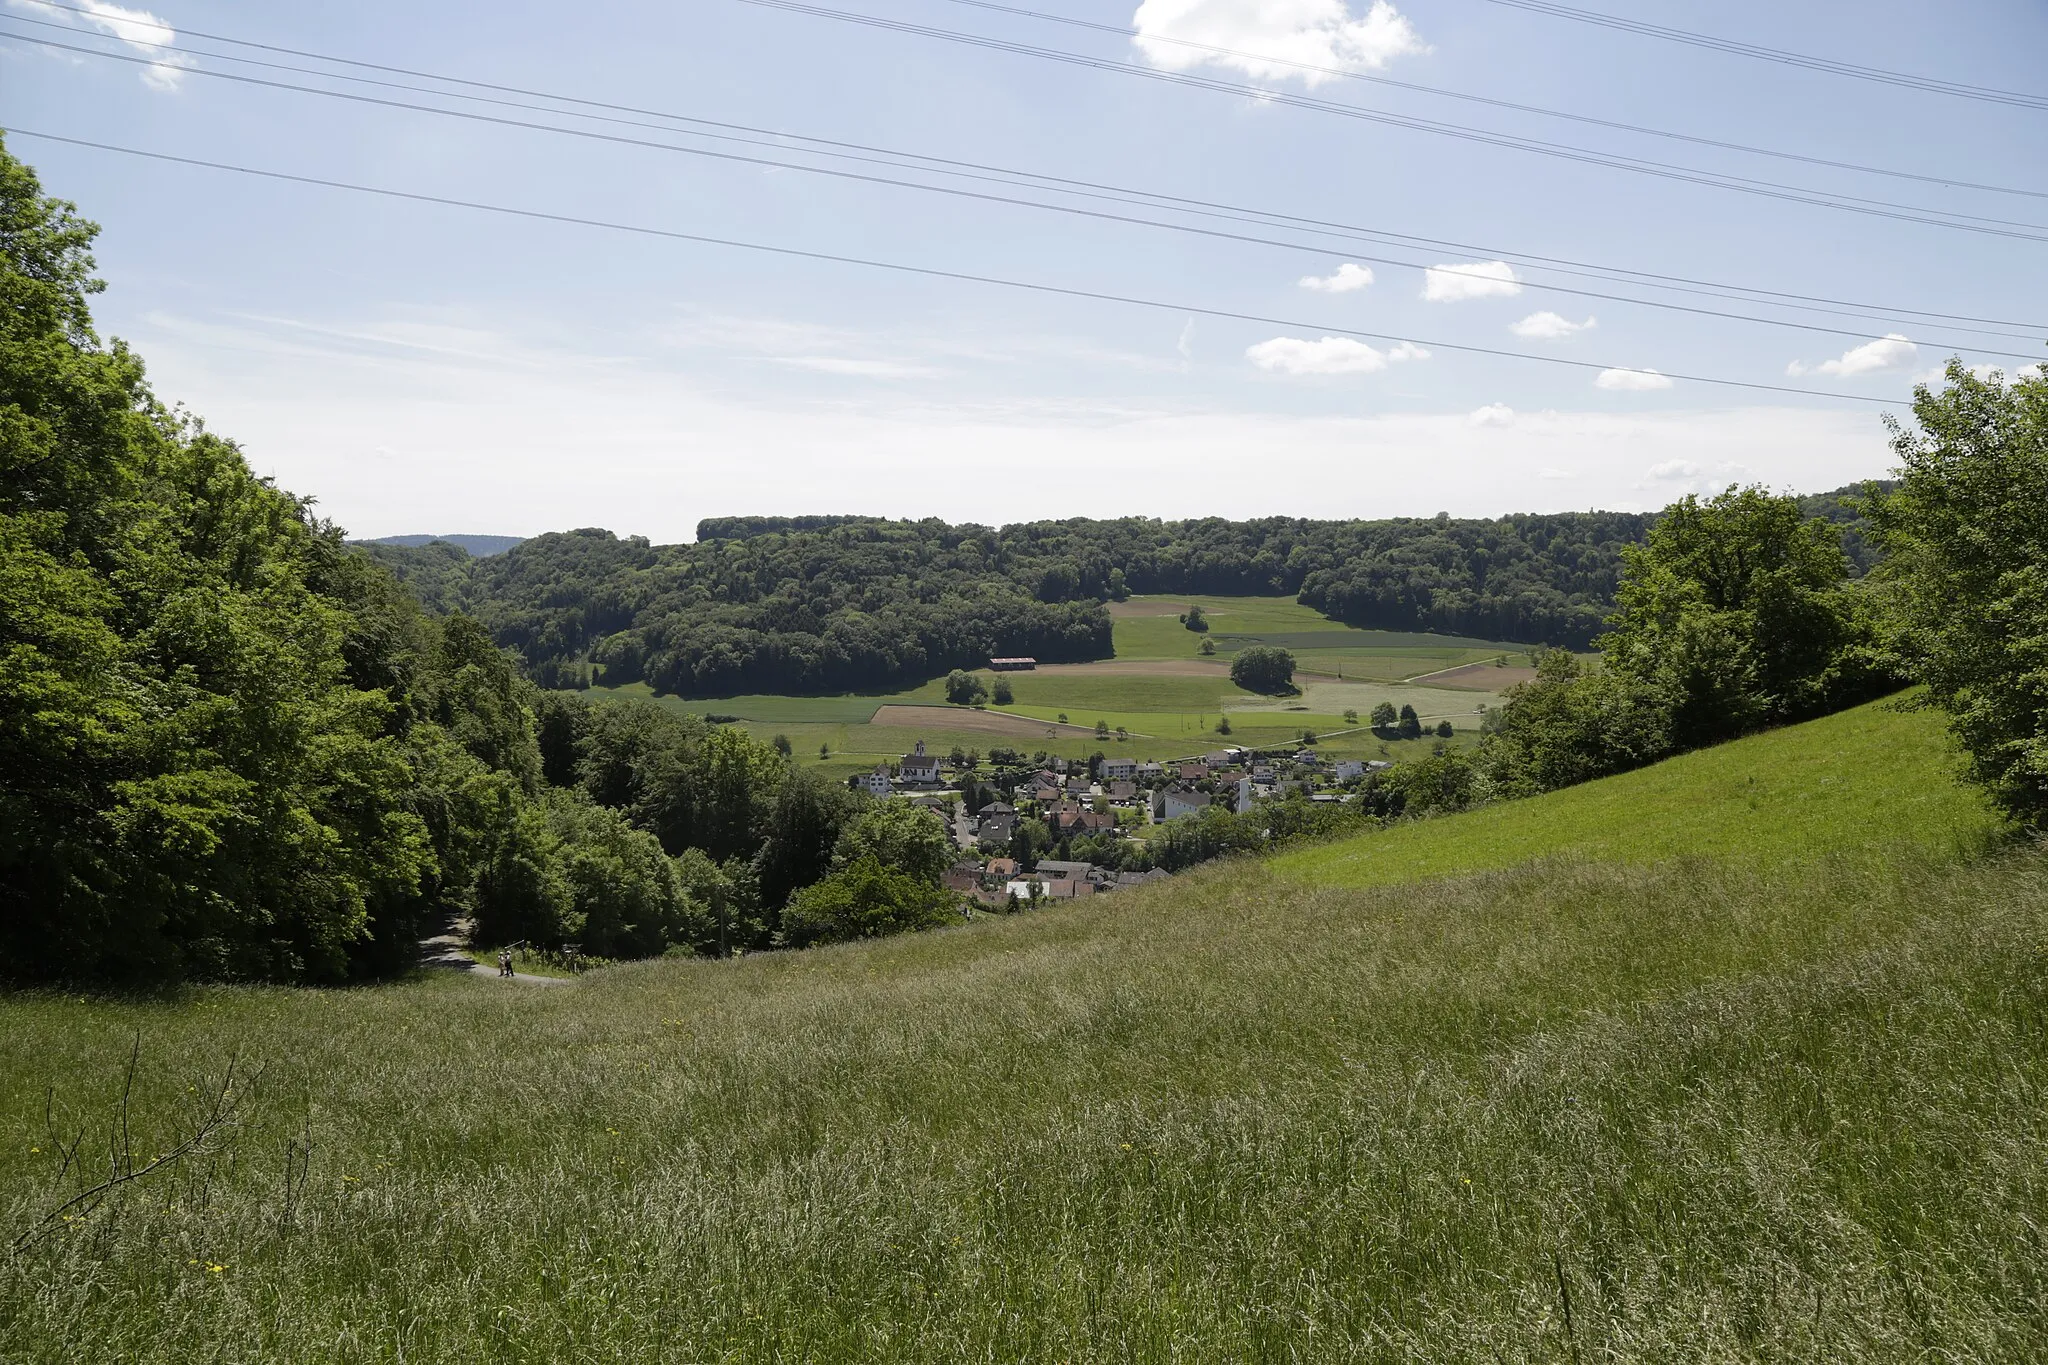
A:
(1309, 67)
(1470, 98)
(1676, 283)
(1906, 80)
(933, 272)
(1319, 249)
(1769, 189)
(2000, 227)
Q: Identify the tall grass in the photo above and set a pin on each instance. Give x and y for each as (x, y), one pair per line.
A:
(1572, 1110)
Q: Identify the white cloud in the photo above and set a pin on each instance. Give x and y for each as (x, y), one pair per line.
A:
(138, 29)
(1547, 326)
(1346, 278)
(665, 436)
(1673, 469)
(1178, 35)
(1331, 355)
(1631, 381)
(2012, 373)
(1893, 352)
(1492, 415)
(1476, 280)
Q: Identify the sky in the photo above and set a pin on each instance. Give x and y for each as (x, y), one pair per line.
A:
(425, 367)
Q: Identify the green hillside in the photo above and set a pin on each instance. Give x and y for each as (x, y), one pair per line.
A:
(1735, 1106)
(1876, 778)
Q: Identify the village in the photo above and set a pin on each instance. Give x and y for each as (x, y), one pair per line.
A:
(1010, 813)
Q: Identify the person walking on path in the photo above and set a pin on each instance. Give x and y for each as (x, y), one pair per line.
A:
(504, 962)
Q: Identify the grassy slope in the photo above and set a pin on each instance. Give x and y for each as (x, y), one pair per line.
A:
(1725, 1110)
(1873, 776)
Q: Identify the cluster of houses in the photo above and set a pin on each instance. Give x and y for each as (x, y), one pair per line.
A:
(1103, 796)
(997, 882)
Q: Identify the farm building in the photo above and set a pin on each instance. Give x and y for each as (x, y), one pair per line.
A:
(1012, 665)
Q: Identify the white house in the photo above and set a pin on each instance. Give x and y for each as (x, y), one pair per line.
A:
(1118, 769)
(1173, 803)
(919, 769)
(1347, 769)
(877, 782)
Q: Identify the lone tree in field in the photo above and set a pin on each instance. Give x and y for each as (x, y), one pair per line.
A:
(964, 689)
(1411, 724)
(1195, 620)
(1263, 668)
(1383, 717)
(1004, 694)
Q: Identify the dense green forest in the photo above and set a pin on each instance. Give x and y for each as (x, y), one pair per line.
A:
(828, 604)
(233, 748)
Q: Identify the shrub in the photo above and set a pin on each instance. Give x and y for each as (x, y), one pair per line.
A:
(862, 900)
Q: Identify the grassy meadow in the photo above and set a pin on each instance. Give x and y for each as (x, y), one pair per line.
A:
(1158, 689)
(1580, 1078)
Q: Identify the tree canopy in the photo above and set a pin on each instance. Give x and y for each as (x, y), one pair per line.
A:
(1966, 579)
(1263, 668)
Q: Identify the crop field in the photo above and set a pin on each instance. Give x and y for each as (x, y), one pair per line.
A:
(1644, 1098)
(1149, 628)
(1164, 696)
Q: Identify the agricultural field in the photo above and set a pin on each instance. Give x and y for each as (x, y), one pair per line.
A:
(1577, 1078)
(1164, 696)
(1149, 628)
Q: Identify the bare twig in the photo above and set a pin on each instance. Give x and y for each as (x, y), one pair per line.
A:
(218, 1113)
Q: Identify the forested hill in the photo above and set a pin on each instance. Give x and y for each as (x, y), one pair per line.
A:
(831, 604)
(826, 604)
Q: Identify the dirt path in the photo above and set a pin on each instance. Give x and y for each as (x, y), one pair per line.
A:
(447, 951)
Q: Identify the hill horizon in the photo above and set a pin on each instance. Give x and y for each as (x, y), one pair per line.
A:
(484, 545)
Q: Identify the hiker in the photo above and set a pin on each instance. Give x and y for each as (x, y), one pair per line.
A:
(504, 962)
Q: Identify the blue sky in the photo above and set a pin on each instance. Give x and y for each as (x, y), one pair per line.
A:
(429, 368)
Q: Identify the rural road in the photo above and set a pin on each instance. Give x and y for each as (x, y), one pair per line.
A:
(446, 951)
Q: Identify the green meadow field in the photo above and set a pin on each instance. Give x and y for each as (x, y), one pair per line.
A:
(1158, 689)
(1669, 1067)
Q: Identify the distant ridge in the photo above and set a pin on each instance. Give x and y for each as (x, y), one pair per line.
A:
(480, 547)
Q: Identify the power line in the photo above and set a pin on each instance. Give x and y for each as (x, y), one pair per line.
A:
(1041, 16)
(1933, 84)
(1319, 249)
(1441, 92)
(932, 272)
(1769, 189)
(1676, 283)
